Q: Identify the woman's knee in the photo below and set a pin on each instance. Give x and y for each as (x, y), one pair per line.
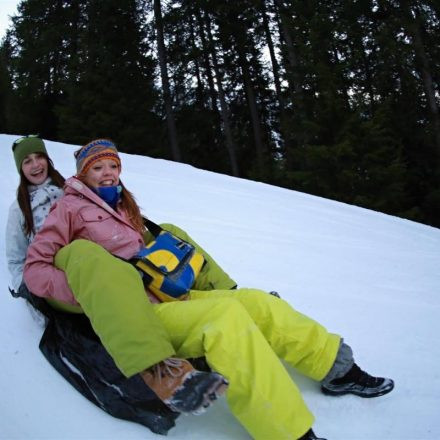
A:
(174, 230)
(253, 293)
(261, 299)
(82, 246)
(217, 309)
(227, 311)
(81, 251)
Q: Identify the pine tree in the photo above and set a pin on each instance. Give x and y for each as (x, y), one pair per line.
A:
(37, 69)
(112, 94)
(336, 98)
(5, 86)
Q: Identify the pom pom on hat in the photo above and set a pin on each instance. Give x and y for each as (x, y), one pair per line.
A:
(27, 145)
(93, 152)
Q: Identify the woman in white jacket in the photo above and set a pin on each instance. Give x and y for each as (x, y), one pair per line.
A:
(39, 188)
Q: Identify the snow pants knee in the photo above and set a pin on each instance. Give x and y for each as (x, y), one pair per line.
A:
(243, 334)
(112, 295)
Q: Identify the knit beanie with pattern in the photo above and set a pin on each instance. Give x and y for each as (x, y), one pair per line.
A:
(92, 152)
(27, 145)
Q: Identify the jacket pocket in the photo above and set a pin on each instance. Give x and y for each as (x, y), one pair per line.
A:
(94, 215)
(100, 226)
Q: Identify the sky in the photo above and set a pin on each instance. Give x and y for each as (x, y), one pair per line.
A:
(370, 277)
(7, 8)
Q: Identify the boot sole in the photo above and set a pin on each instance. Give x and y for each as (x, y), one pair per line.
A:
(197, 402)
(211, 396)
(359, 393)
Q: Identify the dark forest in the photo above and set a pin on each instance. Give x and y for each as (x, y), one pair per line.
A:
(334, 98)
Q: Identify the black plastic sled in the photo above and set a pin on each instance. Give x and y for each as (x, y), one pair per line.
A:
(75, 351)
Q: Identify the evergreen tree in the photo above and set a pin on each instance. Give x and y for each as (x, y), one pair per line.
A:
(336, 98)
(5, 86)
(163, 63)
(112, 94)
(239, 39)
(37, 69)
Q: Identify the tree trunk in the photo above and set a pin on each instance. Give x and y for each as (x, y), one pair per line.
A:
(293, 76)
(298, 137)
(253, 109)
(273, 59)
(223, 105)
(206, 62)
(413, 23)
(172, 132)
(200, 94)
(276, 78)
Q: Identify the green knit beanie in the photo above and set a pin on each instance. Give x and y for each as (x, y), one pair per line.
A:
(27, 145)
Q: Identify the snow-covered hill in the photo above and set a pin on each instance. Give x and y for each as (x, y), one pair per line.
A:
(373, 278)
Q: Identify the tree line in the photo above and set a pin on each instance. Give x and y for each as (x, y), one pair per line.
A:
(334, 98)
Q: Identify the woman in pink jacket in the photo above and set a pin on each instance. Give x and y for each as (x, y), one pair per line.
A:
(242, 333)
(104, 212)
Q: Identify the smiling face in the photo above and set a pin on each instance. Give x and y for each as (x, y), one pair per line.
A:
(104, 172)
(35, 168)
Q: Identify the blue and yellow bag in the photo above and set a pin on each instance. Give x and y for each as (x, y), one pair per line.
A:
(169, 265)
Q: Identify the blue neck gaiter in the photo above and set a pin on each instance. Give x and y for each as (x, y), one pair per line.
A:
(110, 194)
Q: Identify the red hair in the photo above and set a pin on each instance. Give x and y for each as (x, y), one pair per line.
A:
(131, 208)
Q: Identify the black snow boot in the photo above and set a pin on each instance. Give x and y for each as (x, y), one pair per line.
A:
(310, 435)
(358, 382)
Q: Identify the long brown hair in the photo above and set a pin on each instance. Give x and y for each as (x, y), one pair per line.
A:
(23, 193)
(129, 205)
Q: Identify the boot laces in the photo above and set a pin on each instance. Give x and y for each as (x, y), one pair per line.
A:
(169, 367)
(362, 378)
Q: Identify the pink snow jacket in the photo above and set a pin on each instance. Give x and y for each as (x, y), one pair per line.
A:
(79, 214)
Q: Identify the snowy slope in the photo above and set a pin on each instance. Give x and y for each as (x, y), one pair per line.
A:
(373, 278)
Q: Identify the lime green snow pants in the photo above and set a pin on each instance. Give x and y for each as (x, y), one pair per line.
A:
(242, 334)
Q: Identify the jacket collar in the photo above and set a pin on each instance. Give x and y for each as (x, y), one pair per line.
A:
(32, 188)
(76, 187)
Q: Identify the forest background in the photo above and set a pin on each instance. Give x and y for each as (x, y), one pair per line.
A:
(335, 98)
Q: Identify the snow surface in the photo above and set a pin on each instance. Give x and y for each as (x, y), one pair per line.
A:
(370, 277)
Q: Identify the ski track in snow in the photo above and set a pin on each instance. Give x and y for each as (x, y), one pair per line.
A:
(370, 277)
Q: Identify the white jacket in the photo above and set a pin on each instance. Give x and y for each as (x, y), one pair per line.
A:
(42, 197)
